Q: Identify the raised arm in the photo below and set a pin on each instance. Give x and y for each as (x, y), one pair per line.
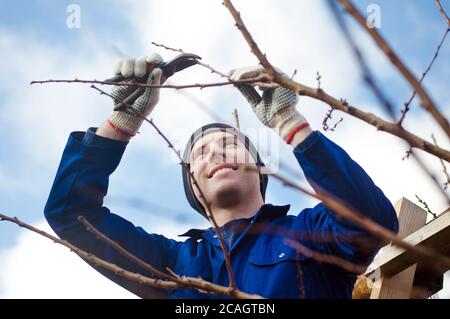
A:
(329, 168)
(81, 183)
(326, 166)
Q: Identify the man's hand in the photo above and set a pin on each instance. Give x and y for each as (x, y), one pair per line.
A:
(275, 108)
(139, 70)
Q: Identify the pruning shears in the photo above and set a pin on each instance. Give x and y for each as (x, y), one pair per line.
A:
(177, 64)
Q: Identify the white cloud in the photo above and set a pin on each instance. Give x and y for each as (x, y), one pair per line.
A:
(37, 268)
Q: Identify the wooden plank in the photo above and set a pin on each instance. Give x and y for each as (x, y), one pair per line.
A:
(411, 218)
(398, 286)
(435, 235)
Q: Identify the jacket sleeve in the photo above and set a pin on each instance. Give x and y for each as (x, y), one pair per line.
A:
(79, 187)
(328, 167)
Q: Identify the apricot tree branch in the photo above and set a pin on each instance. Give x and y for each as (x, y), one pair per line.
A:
(427, 102)
(196, 283)
(350, 214)
(370, 80)
(198, 61)
(338, 104)
(122, 251)
(444, 14)
(166, 86)
(424, 74)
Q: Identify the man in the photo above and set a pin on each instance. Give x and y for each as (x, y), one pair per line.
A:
(234, 190)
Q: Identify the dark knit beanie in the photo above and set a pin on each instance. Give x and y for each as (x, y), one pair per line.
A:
(202, 131)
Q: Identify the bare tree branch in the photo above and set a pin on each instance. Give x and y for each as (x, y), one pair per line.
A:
(123, 251)
(144, 85)
(338, 104)
(425, 205)
(181, 280)
(444, 14)
(370, 80)
(444, 167)
(273, 74)
(350, 214)
(427, 102)
(185, 282)
(325, 125)
(424, 74)
(198, 61)
(166, 47)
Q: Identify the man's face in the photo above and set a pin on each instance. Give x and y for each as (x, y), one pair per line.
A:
(223, 168)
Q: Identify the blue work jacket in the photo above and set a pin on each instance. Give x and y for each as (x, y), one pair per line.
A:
(262, 261)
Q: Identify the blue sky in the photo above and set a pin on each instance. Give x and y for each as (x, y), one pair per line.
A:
(35, 44)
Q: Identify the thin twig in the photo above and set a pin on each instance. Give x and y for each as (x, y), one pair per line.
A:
(183, 281)
(407, 154)
(213, 70)
(198, 61)
(339, 104)
(370, 80)
(350, 214)
(427, 102)
(444, 14)
(325, 125)
(294, 74)
(444, 167)
(167, 86)
(186, 167)
(425, 205)
(424, 74)
(300, 277)
(167, 48)
(318, 78)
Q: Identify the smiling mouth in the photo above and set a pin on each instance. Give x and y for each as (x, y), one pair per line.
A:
(222, 168)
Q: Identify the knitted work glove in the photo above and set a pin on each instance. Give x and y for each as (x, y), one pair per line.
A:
(135, 70)
(275, 108)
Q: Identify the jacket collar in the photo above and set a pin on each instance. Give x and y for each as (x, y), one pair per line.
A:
(266, 212)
